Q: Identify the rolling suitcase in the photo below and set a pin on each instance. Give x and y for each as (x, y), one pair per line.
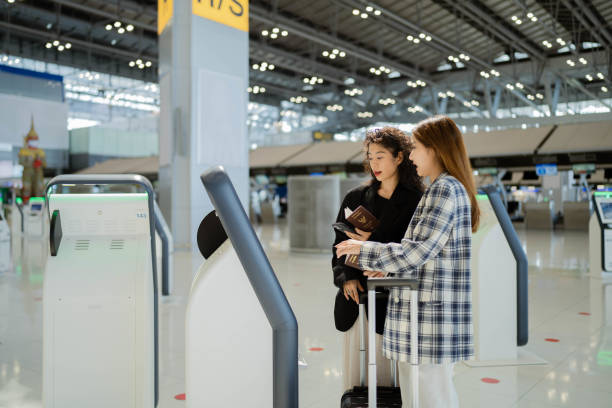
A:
(383, 397)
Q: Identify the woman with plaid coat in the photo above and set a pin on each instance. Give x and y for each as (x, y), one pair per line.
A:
(436, 249)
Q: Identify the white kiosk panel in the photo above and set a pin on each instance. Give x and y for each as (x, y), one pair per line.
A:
(98, 304)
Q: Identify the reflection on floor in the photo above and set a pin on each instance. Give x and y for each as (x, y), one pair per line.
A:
(565, 305)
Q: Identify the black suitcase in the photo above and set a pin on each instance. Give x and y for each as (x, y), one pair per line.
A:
(384, 397)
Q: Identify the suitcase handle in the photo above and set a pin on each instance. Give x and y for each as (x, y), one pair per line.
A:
(413, 284)
(392, 282)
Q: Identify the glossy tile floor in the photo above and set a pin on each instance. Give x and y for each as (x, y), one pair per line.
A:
(565, 304)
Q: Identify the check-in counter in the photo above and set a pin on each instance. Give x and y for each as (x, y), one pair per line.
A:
(538, 215)
(576, 215)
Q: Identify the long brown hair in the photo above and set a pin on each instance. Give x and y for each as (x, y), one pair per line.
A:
(395, 141)
(442, 135)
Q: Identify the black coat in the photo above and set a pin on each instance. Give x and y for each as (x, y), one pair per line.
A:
(393, 224)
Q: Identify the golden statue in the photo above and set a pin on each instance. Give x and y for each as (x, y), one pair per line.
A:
(32, 158)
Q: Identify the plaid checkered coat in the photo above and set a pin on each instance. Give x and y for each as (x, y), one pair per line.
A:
(437, 250)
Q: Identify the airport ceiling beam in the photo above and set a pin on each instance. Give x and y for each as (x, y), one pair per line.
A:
(259, 13)
(69, 23)
(112, 51)
(476, 12)
(438, 44)
(595, 25)
(303, 65)
(114, 16)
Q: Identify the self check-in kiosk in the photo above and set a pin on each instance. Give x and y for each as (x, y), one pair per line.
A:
(34, 219)
(600, 234)
(100, 297)
(240, 331)
(5, 242)
(499, 287)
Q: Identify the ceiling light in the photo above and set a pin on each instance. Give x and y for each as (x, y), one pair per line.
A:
(534, 19)
(325, 53)
(364, 15)
(148, 63)
(369, 9)
(342, 54)
(514, 18)
(284, 33)
(519, 85)
(130, 27)
(139, 61)
(539, 96)
(570, 63)
(274, 36)
(108, 27)
(519, 22)
(355, 12)
(510, 86)
(589, 77)
(56, 43)
(121, 30)
(275, 30)
(265, 33)
(416, 41)
(60, 48)
(255, 66)
(377, 12)
(600, 75)
(583, 61)
(422, 36)
(604, 89)
(332, 56)
(529, 15)
(428, 38)
(68, 46)
(335, 51)
(410, 38)
(132, 63)
(271, 67)
(530, 97)
(117, 24)
(48, 45)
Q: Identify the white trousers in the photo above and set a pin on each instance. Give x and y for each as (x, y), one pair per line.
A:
(351, 359)
(436, 387)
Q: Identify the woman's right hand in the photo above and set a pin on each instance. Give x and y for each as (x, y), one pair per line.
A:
(351, 288)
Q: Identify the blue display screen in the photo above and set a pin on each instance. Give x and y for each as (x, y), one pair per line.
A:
(36, 207)
(546, 169)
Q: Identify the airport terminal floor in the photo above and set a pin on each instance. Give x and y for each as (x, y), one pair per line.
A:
(570, 326)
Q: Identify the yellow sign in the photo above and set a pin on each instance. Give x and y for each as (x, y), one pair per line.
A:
(164, 14)
(233, 13)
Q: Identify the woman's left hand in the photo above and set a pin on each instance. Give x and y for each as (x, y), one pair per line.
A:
(348, 247)
(360, 235)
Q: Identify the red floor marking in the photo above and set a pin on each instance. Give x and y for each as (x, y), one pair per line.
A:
(316, 349)
(490, 380)
(584, 313)
(38, 299)
(297, 284)
(180, 397)
(552, 340)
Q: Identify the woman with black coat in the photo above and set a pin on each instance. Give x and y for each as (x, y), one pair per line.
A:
(391, 196)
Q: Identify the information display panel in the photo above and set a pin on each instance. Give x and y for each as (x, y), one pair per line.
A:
(603, 207)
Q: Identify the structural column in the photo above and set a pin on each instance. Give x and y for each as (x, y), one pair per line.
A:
(203, 77)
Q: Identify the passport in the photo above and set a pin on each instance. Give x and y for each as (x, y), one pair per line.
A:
(362, 219)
